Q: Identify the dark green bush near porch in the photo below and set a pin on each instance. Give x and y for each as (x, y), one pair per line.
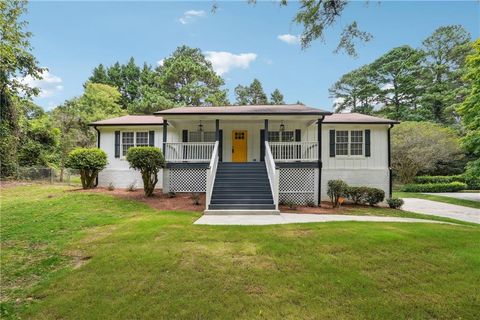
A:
(374, 196)
(335, 190)
(435, 187)
(357, 194)
(395, 203)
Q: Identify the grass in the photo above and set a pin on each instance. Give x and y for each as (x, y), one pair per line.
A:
(460, 202)
(75, 255)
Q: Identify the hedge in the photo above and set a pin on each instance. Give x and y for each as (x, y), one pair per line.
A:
(438, 179)
(435, 187)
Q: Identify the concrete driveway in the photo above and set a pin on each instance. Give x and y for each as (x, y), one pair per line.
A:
(474, 196)
(442, 209)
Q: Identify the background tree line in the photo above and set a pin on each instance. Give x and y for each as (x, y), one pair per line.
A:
(437, 83)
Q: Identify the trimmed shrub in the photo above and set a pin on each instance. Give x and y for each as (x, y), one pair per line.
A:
(88, 161)
(336, 189)
(395, 203)
(374, 196)
(149, 161)
(438, 179)
(357, 194)
(435, 187)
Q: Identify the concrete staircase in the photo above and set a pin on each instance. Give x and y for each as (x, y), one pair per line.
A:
(241, 188)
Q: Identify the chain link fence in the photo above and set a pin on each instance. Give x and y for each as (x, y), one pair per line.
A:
(48, 175)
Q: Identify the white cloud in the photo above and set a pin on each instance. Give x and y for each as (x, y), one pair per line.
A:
(223, 61)
(160, 62)
(289, 38)
(190, 15)
(49, 85)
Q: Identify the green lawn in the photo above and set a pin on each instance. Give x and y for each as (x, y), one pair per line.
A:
(75, 255)
(460, 202)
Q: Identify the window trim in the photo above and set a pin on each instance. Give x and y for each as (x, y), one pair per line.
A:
(349, 145)
(281, 135)
(122, 156)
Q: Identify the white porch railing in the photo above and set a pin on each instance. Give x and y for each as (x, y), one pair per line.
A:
(188, 151)
(211, 173)
(273, 173)
(294, 151)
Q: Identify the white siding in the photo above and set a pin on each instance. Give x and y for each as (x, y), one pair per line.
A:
(370, 171)
(118, 171)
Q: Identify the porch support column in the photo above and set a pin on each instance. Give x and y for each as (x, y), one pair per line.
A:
(266, 129)
(320, 164)
(389, 147)
(165, 127)
(217, 130)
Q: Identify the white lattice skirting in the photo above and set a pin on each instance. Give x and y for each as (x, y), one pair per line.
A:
(186, 180)
(298, 185)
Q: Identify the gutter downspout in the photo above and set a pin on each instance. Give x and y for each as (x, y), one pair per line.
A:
(390, 181)
(320, 164)
(98, 146)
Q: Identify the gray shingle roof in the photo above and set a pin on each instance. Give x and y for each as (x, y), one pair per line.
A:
(250, 109)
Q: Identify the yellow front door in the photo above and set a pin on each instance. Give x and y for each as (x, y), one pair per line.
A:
(239, 146)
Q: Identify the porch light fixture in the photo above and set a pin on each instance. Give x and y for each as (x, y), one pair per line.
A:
(200, 126)
(282, 127)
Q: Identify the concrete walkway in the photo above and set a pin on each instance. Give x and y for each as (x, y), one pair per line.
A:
(285, 218)
(473, 196)
(442, 209)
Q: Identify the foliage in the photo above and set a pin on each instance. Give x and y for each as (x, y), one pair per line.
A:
(410, 84)
(445, 51)
(335, 190)
(187, 78)
(88, 162)
(149, 161)
(316, 16)
(435, 187)
(254, 94)
(127, 78)
(395, 203)
(438, 179)
(374, 196)
(276, 97)
(420, 146)
(472, 175)
(357, 194)
(16, 63)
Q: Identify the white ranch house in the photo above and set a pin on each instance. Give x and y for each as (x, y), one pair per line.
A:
(251, 158)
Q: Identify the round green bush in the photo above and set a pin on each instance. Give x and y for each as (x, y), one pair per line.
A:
(395, 203)
(149, 161)
(435, 187)
(374, 196)
(335, 190)
(357, 195)
(88, 161)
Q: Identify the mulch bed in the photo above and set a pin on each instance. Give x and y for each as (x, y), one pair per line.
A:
(159, 201)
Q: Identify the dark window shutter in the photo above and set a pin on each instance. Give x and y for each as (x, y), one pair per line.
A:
(185, 136)
(117, 144)
(151, 138)
(298, 135)
(332, 143)
(262, 145)
(367, 143)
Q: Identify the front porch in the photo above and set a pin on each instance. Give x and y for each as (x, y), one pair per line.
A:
(289, 152)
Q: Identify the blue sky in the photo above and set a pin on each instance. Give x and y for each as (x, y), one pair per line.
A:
(71, 38)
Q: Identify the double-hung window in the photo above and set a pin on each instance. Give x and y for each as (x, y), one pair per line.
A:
(349, 143)
(203, 136)
(279, 136)
(134, 139)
